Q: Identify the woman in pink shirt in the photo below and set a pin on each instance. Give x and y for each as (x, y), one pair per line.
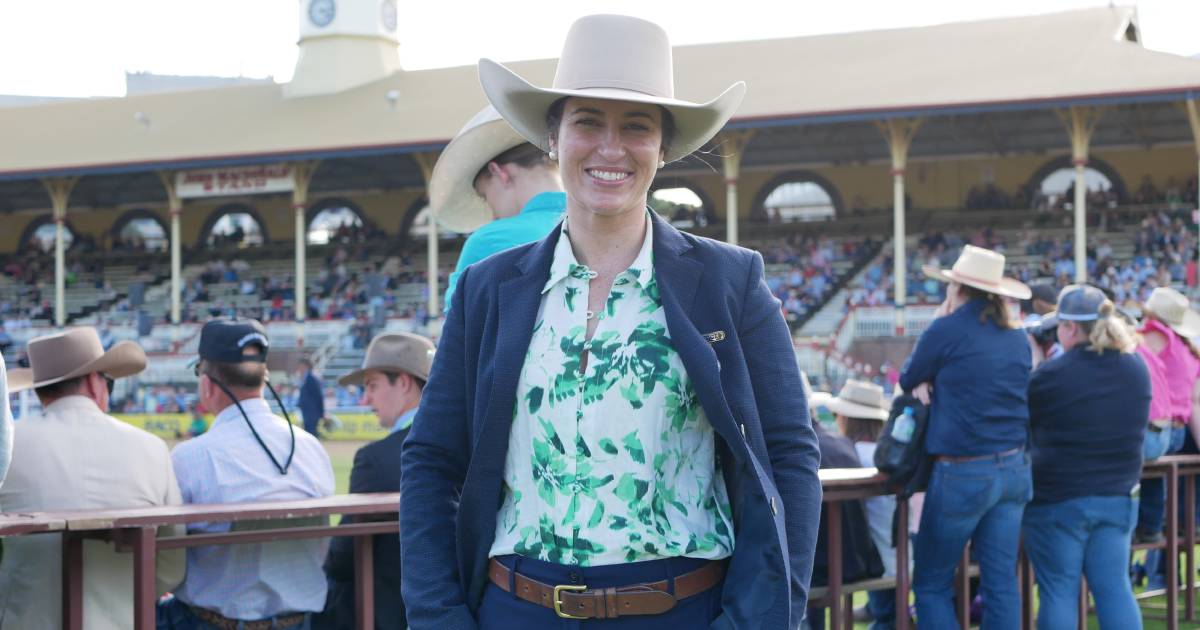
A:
(1166, 331)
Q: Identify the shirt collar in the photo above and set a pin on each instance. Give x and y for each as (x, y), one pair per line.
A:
(252, 406)
(404, 421)
(565, 265)
(75, 402)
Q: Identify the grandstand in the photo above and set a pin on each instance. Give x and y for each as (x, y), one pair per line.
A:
(148, 214)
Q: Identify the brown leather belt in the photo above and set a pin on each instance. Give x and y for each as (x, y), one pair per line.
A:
(222, 622)
(954, 459)
(571, 601)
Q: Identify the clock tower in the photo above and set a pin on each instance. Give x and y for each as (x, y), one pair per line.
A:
(344, 44)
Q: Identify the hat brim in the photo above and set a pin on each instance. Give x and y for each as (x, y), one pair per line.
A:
(1007, 287)
(452, 195)
(819, 399)
(1189, 327)
(125, 358)
(353, 378)
(524, 106)
(852, 409)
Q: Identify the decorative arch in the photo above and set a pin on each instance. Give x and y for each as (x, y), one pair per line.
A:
(1064, 161)
(707, 209)
(139, 213)
(32, 228)
(332, 203)
(758, 210)
(232, 208)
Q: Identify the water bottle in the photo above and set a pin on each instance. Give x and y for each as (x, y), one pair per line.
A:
(904, 427)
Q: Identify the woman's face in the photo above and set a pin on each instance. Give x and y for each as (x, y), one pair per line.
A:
(608, 154)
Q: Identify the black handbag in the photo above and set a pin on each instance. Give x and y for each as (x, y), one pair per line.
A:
(906, 463)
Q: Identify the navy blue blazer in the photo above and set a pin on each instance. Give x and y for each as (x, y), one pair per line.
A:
(376, 469)
(312, 401)
(748, 383)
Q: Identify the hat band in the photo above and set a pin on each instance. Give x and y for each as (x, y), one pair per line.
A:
(1078, 318)
(616, 84)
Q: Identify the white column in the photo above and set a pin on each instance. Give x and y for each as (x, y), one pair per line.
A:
(176, 267)
(899, 134)
(1081, 272)
(60, 279)
(431, 246)
(301, 260)
(899, 249)
(731, 210)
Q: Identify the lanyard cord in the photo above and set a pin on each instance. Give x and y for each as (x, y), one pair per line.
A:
(283, 470)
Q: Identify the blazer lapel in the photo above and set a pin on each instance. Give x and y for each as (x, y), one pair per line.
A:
(678, 275)
(519, 299)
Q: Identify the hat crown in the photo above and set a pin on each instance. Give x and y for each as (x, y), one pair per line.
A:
(400, 352)
(864, 393)
(59, 354)
(980, 264)
(1168, 304)
(616, 51)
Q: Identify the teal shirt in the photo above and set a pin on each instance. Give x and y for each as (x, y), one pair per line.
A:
(539, 216)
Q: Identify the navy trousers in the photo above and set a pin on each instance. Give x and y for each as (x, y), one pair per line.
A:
(504, 611)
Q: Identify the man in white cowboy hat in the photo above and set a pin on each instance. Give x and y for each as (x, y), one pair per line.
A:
(489, 181)
(392, 376)
(75, 456)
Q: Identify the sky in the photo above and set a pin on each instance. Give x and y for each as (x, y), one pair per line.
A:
(83, 48)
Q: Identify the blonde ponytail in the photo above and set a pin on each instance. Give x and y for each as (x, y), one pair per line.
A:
(1110, 332)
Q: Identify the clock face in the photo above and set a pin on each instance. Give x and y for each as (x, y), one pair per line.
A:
(321, 12)
(387, 13)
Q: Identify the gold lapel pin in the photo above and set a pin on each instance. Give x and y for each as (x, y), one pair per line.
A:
(714, 337)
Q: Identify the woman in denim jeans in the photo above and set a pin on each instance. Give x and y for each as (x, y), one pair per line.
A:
(973, 364)
(1088, 411)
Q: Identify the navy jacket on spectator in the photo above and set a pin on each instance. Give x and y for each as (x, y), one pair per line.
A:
(980, 375)
(747, 382)
(376, 469)
(1088, 414)
(312, 402)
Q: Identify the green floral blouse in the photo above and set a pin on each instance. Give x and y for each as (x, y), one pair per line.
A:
(615, 463)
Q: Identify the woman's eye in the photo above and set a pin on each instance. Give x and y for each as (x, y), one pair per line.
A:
(587, 122)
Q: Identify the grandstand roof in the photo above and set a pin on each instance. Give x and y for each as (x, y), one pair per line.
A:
(999, 65)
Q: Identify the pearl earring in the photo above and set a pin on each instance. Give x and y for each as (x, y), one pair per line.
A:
(553, 155)
(662, 164)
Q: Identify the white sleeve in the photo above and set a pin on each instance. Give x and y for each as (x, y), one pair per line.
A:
(6, 423)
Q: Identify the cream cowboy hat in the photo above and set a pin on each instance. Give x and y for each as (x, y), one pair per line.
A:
(73, 353)
(613, 57)
(395, 352)
(860, 399)
(1173, 309)
(452, 195)
(983, 269)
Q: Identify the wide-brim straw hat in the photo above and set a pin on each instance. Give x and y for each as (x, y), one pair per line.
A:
(860, 399)
(1173, 309)
(815, 399)
(452, 196)
(73, 353)
(395, 352)
(611, 57)
(983, 269)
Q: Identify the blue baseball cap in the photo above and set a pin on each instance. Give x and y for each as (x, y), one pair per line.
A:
(1079, 303)
(225, 340)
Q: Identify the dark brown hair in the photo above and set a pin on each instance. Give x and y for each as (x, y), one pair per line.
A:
(524, 155)
(555, 114)
(996, 310)
(862, 429)
(57, 390)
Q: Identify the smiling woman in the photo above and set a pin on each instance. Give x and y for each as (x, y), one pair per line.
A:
(594, 412)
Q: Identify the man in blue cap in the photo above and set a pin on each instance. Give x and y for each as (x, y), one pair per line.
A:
(492, 182)
(248, 454)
